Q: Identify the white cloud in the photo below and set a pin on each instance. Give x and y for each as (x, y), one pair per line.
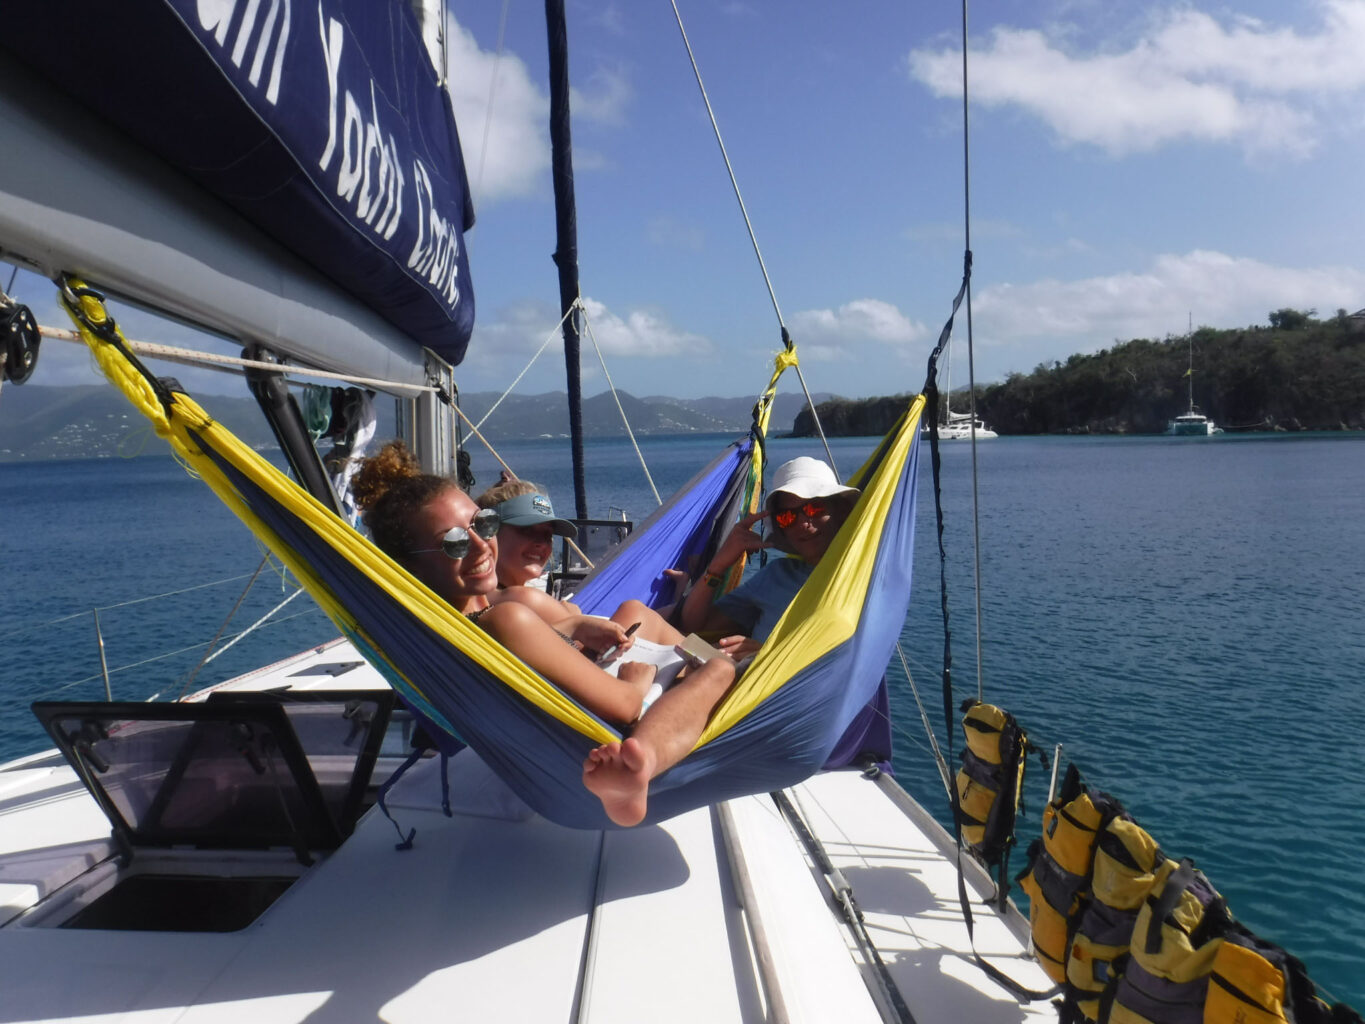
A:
(1216, 289)
(503, 116)
(506, 154)
(638, 333)
(604, 97)
(856, 321)
(1187, 77)
(521, 330)
(610, 19)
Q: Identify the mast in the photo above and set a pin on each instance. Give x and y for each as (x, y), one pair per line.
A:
(566, 235)
(1189, 374)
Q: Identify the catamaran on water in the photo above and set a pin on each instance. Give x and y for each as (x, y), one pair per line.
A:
(1191, 422)
(276, 848)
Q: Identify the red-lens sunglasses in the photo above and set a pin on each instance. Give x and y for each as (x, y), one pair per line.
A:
(811, 510)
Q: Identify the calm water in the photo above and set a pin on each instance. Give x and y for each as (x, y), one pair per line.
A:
(1182, 614)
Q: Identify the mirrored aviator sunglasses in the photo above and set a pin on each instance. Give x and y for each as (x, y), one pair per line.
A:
(455, 543)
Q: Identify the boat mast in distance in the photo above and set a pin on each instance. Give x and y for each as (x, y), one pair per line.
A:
(1191, 423)
(957, 426)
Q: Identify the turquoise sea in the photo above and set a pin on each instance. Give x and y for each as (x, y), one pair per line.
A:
(1184, 615)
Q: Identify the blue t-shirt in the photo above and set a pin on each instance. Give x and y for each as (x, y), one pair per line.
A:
(758, 602)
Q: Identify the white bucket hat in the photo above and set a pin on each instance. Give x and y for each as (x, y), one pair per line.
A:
(806, 478)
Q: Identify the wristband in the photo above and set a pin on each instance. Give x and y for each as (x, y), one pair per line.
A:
(712, 580)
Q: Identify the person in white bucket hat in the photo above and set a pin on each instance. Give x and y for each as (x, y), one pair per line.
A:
(807, 505)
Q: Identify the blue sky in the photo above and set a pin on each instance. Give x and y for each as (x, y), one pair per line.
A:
(1133, 166)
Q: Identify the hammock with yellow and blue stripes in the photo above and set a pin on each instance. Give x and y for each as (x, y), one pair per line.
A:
(818, 671)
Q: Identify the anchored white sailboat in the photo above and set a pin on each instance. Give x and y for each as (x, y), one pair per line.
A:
(962, 426)
(958, 426)
(1192, 423)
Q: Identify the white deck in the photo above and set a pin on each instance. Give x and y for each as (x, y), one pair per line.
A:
(497, 914)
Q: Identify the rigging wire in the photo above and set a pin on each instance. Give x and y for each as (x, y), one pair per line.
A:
(171, 654)
(242, 597)
(734, 182)
(615, 397)
(753, 236)
(120, 604)
(492, 95)
(527, 369)
(578, 306)
(254, 626)
(971, 363)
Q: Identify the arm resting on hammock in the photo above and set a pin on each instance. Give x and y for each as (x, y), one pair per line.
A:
(535, 642)
(594, 632)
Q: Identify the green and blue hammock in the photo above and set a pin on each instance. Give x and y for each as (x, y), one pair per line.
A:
(815, 683)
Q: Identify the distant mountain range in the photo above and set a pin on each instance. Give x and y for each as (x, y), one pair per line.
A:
(38, 422)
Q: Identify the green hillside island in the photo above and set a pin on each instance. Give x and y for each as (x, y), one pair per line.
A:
(1298, 373)
(39, 422)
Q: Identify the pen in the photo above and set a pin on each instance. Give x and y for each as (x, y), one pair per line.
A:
(610, 652)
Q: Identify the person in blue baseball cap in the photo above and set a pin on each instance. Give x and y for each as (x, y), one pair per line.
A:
(529, 527)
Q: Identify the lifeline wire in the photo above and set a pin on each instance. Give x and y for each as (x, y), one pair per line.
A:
(121, 604)
(169, 654)
(242, 597)
(939, 759)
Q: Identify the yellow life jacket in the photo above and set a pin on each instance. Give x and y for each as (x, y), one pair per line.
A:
(1178, 933)
(1124, 869)
(1253, 981)
(1058, 876)
(1192, 962)
(989, 784)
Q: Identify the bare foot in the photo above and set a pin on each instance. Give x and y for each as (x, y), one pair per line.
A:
(618, 774)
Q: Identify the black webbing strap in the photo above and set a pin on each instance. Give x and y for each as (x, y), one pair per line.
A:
(1162, 907)
(931, 408)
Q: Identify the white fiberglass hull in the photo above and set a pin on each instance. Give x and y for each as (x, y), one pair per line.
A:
(1192, 426)
(963, 432)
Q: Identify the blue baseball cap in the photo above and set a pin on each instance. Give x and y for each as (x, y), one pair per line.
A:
(534, 510)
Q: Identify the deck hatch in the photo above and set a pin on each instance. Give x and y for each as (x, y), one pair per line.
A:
(227, 776)
(208, 799)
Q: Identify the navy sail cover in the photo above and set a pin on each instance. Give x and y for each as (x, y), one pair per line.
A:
(321, 121)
